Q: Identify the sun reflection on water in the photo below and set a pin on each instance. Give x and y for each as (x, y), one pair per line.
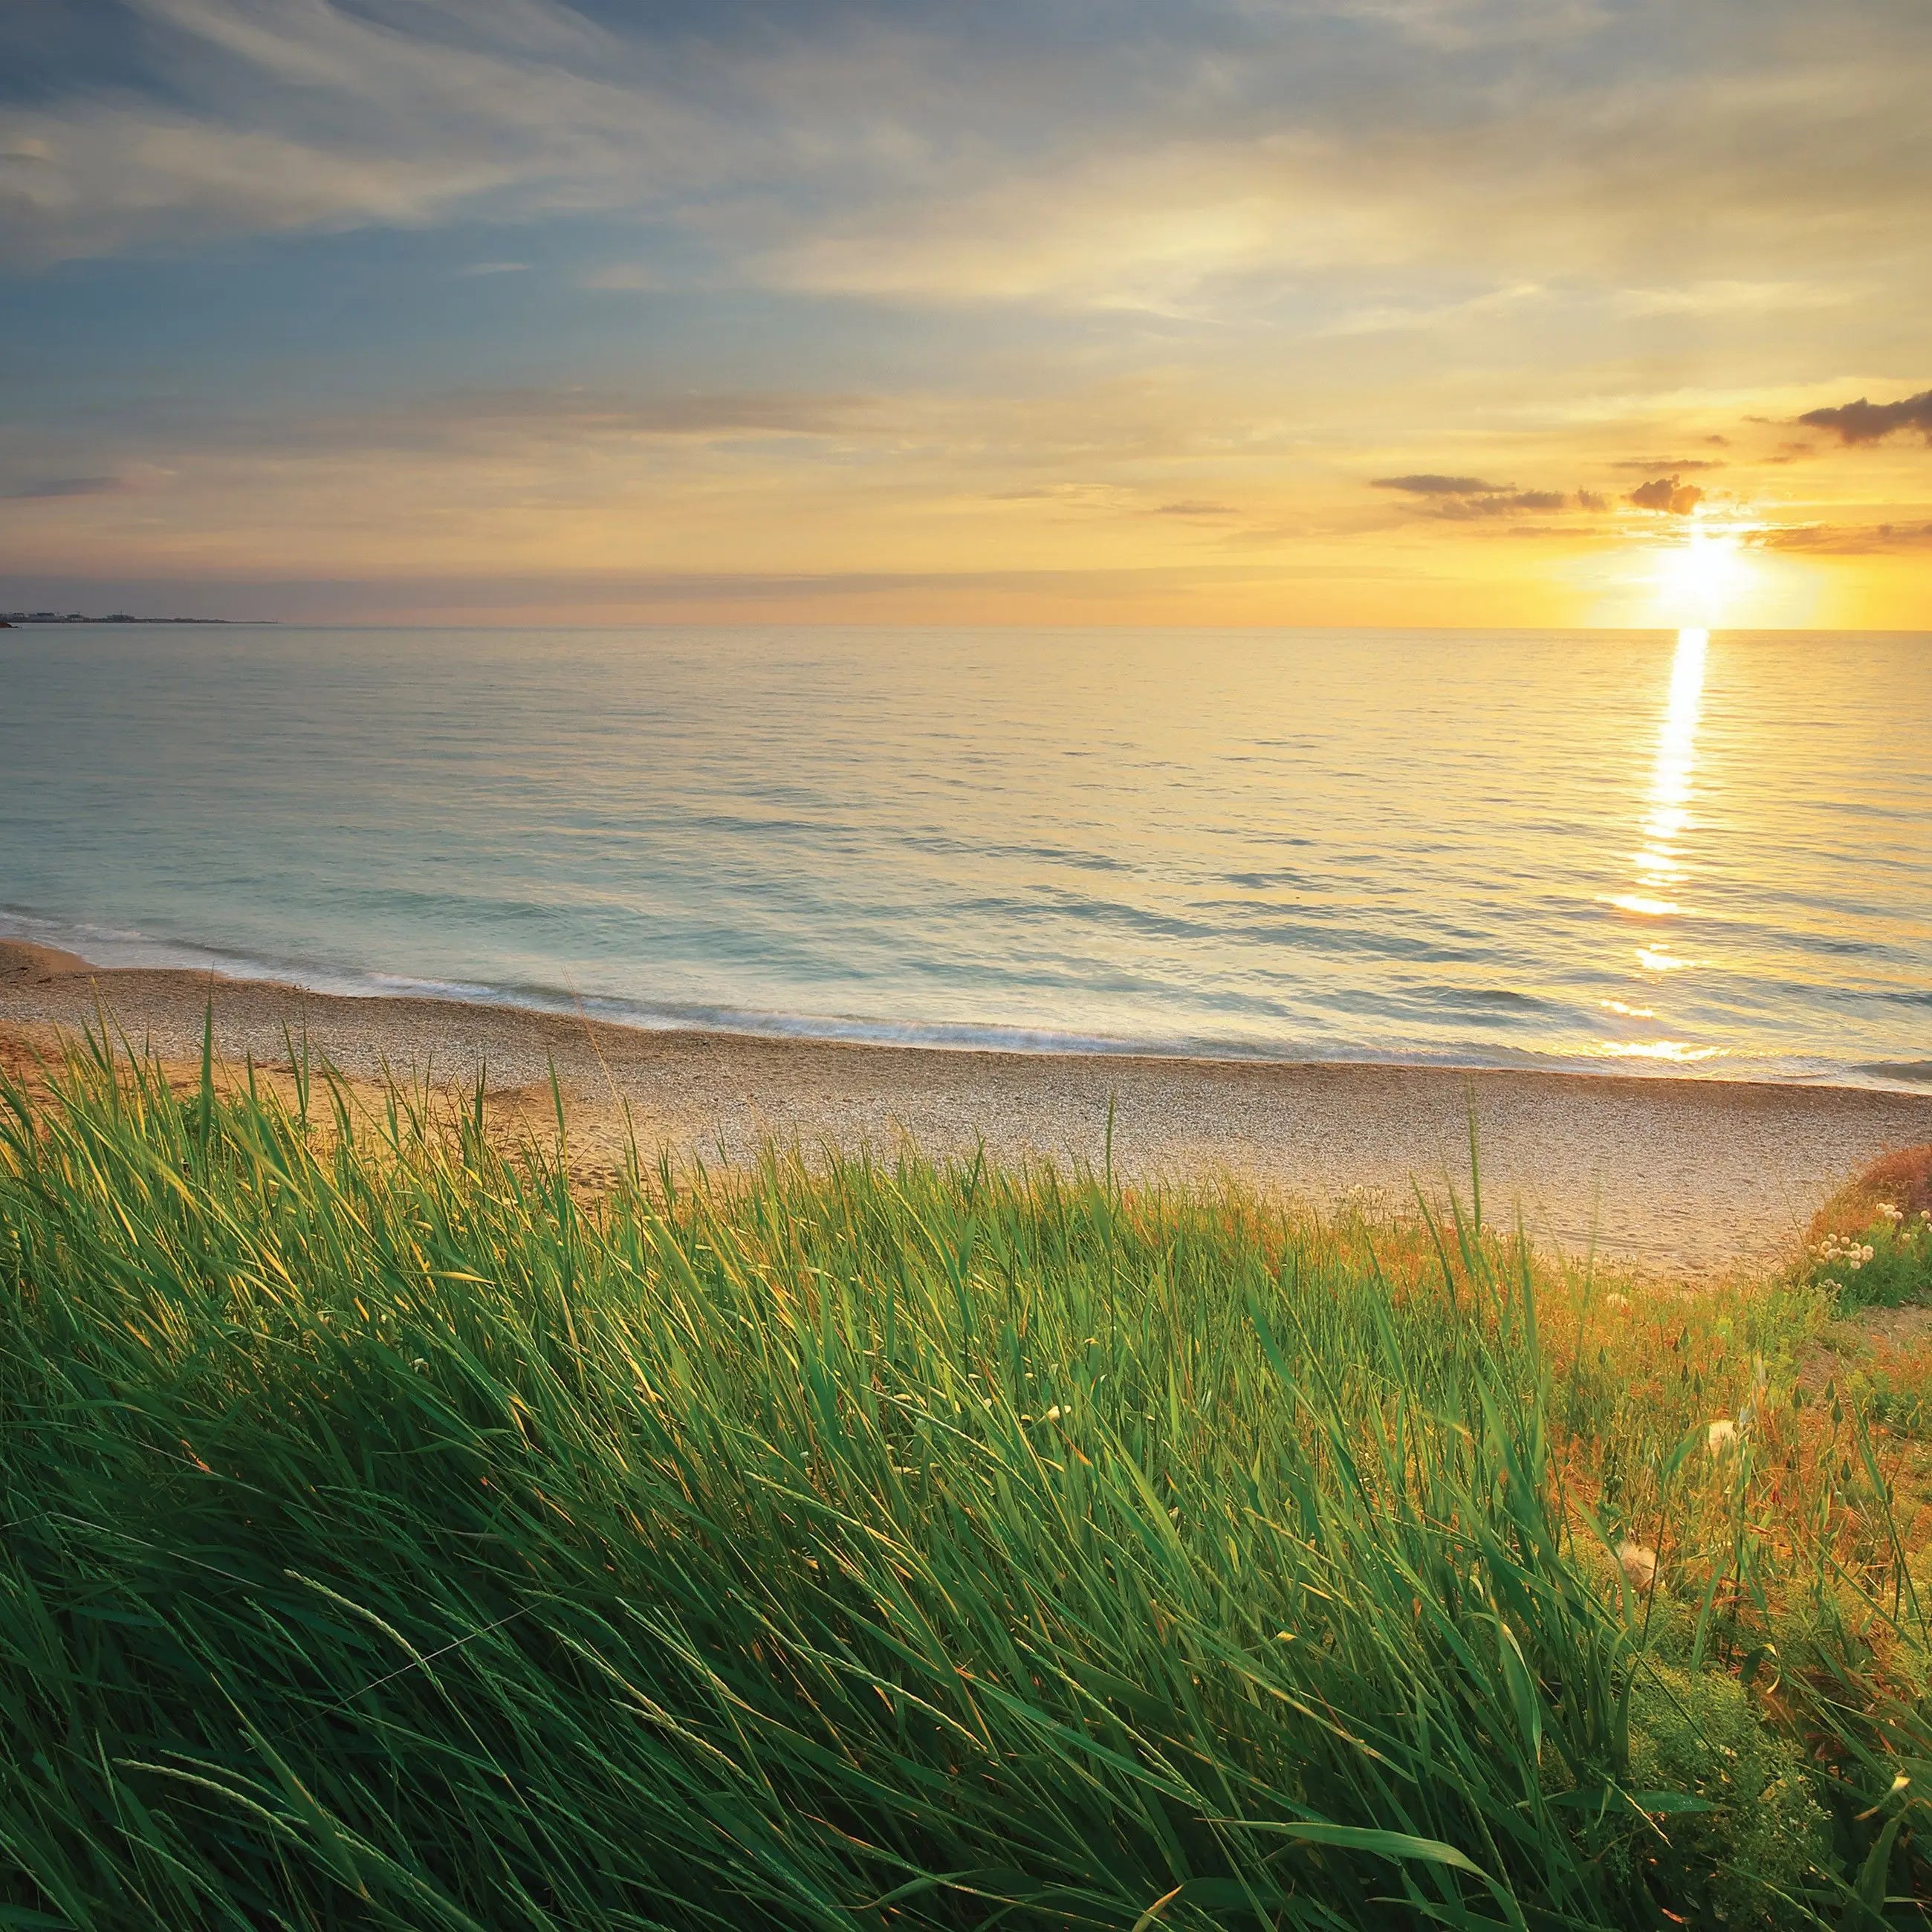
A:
(1658, 869)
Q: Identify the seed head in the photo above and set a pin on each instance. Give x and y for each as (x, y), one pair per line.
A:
(1639, 1564)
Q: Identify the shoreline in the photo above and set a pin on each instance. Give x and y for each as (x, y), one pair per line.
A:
(1694, 1175)
(202, 965)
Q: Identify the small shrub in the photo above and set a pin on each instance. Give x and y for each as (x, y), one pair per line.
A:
(1871, 1244)
(1747, 1860)
(1887, 1265)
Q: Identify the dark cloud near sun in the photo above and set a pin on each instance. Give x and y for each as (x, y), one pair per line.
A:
(1864, 421)
(1467, 499)
(1667, 493)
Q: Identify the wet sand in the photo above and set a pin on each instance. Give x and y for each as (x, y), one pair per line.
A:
(1678, 1175)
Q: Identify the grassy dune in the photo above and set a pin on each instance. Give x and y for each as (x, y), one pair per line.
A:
(396, 1538)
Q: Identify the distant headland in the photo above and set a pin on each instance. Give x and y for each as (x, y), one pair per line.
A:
(10, 618)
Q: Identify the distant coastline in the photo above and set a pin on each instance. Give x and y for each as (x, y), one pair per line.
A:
(13, 619)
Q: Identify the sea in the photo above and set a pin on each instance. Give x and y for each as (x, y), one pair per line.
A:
(1681, 853)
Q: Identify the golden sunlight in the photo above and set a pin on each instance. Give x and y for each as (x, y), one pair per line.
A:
(1657, 864)
(1700, 579)
(1658, 868)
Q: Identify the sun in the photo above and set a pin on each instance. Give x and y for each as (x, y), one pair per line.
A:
(1700, 578)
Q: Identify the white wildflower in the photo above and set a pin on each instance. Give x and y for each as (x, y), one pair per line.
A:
(1053, 1414)
(1616, 1303)
(1720, 1436)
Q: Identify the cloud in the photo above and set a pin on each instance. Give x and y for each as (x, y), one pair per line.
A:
(1279, 157)
(627, 278)
(1428, 484)
(1749, 297)
(1092, 155)
(264, 116)
(574, 413)
(538, 418)
(1667, 493)
(1845, 539)
(1652, 463)
(65, 486)
(1503, 503)
(1863, 421)
(1462, 498)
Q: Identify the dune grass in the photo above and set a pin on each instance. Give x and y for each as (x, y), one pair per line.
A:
(395, 1538)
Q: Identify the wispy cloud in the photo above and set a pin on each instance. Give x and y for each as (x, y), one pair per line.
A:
(1651, 464)
(1428, 483)
(1720, 298)
(1466, 498)
(53, 487)
(267, 115)
(1144, 158)
(578, 415)
(1844, 539)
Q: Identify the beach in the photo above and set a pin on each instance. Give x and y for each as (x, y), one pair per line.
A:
(1690, 1176)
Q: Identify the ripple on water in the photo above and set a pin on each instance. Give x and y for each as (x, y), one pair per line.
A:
(1675, 853)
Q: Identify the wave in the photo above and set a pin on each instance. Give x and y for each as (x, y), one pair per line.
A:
(111, 947)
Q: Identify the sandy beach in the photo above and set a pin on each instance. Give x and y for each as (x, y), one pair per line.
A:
(1677, 1175)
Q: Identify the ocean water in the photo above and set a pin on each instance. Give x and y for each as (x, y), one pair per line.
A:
(1637, 851)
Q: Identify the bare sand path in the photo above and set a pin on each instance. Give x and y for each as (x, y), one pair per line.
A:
(1677, 1174)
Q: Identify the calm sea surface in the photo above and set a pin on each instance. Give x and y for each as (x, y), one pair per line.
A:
(1641, 850)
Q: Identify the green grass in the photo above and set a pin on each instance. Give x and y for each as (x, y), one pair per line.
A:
(394, 1538)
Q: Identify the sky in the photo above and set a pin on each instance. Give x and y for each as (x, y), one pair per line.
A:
(1250, 312)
